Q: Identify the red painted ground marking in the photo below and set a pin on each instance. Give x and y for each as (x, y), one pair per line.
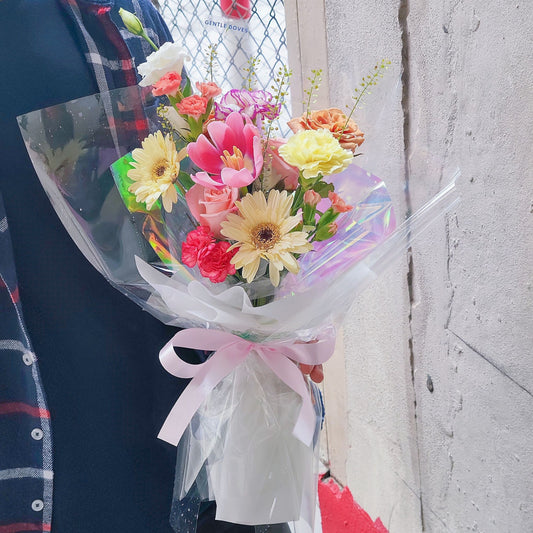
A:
(341, 514)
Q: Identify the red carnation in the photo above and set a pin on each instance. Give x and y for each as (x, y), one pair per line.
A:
(214, 261)
(196, 241)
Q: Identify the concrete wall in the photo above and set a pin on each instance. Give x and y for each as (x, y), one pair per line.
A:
(430, 417)
(438, 353)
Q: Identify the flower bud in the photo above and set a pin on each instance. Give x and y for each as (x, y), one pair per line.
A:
(312, 198)
(326, 232)
(333, 228)
(131, 21)
(338, 204)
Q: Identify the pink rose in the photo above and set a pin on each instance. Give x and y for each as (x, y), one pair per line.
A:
(214, 261)
(168, 84)
(195, 242)
(280, 169)
(194, 106)
(208, 89)
(211, 206)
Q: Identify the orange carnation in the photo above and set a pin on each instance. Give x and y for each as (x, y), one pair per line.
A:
(168, 84)
(338, 204)
(193, 106)
(208, 89)
(333, 120)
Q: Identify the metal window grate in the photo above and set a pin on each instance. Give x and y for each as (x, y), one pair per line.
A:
(199, 23)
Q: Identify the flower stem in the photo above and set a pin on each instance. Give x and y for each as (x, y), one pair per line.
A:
(368, 81)
(150, 42)
(297, 202)
(180, 187)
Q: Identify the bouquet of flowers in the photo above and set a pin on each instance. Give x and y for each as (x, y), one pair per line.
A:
(257, 245)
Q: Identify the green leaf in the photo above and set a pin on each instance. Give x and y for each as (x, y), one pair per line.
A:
(185, 180)
(187, 90)
(308, 183)
(208, 109)
(323, 188)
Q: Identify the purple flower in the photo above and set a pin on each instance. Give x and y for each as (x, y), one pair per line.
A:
(255, 104)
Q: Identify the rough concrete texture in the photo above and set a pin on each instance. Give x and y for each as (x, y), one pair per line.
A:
(470, 101)
(439, 352)
(382, 466)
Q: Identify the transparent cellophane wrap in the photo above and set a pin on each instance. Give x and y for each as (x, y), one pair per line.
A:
(239, 448)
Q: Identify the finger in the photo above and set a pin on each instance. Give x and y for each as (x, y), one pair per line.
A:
(306, 369)
(317, 374)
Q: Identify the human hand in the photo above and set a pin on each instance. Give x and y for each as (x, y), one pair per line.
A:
(315, 372)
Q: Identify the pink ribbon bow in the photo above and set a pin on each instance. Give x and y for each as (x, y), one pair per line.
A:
(230, 351)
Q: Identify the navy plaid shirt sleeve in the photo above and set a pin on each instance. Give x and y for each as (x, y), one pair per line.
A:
(25, 437)
(112, 52)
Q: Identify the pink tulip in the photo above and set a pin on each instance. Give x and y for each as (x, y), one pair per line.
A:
(232, 157)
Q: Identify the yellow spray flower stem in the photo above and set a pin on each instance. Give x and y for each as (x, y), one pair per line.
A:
(366, 83)
(354, 107)
(316, 80)
(282, 79)
(211, 54)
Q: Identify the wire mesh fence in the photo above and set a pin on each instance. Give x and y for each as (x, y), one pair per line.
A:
(239, 30)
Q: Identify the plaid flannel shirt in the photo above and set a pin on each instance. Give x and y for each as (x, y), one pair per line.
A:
(26, 472)
(25, 437)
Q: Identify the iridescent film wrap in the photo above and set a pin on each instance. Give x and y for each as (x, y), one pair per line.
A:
(359, 231)
(139, 250)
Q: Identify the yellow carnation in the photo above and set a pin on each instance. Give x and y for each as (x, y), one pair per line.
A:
(315, 152)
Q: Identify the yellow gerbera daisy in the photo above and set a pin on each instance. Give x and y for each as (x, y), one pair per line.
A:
(263, 230)
(155, 170)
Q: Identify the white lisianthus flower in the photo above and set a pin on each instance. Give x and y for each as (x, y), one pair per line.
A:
(169, 58)
(177, 121)
(131, 21)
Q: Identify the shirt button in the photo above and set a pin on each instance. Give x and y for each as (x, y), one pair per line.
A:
(37, 505)
(37, 434)
(27, 357)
